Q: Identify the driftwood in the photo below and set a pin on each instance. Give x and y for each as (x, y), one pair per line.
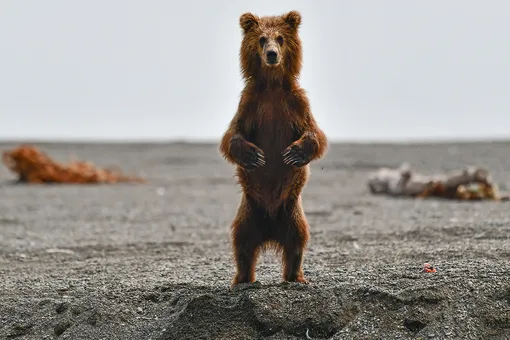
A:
(34, 166)
(470, 183)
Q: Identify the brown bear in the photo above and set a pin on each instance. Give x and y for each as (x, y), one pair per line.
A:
(271, 139)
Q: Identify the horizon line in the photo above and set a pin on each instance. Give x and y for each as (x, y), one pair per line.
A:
(209, 141)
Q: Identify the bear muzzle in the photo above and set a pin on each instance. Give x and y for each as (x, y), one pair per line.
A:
(271, 53)
(272, 57)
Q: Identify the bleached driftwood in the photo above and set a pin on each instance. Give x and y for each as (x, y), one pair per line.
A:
(470, 183)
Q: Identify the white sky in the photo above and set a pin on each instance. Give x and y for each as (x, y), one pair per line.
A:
(156, 69)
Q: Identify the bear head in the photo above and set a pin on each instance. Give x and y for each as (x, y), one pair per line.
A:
(271, 47)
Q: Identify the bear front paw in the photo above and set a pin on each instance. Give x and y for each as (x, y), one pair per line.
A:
(246, 154)
(252, 160)
(296, 156)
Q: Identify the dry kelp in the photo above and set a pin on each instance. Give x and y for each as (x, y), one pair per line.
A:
(34, 166)
(470, 183)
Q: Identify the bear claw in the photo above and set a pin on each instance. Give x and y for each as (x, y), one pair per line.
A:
(294, 156)
(257, 160)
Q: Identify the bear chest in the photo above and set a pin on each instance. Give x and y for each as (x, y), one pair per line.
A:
(274, 130)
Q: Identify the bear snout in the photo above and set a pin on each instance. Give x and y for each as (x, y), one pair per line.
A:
(272, 57)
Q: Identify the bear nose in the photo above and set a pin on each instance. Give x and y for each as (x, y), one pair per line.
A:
(271, 57)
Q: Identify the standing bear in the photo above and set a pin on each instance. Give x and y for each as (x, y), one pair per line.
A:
(271, 139)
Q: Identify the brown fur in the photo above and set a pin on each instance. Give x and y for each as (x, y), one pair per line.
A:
(271, 139)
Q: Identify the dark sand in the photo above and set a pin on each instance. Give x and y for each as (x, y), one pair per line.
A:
(154, 261)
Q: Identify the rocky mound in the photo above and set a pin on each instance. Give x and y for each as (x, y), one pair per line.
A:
(282, 311)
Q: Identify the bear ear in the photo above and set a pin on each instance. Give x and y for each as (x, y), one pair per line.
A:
(293, 19)
(248, 21)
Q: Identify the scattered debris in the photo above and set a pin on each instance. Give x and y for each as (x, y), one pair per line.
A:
(34, 166)
(60, 251)
(470, 183)
(428, 268)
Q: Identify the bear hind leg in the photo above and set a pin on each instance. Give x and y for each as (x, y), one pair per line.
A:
(293, 236)
(247, 240)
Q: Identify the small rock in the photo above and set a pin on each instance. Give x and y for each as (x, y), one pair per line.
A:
(62, 307)
(59, 251)
(151, 296)
(61, 327)
(20, 329)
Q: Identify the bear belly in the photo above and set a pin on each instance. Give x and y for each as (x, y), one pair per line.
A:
(275, 182)
(271, 186)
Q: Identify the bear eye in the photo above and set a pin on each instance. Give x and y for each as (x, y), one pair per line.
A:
(280, 40)
(262, 41)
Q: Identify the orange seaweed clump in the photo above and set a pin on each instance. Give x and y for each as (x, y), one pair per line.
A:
(34, 166)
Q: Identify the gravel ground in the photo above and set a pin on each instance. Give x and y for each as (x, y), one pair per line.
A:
(154, 261)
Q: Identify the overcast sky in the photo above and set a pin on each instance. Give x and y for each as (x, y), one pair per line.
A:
(159, 69)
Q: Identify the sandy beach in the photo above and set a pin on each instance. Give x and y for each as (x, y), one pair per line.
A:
(153, 261)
